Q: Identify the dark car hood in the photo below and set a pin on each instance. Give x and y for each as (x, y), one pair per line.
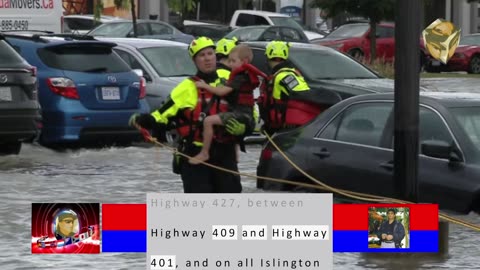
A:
(353, 87)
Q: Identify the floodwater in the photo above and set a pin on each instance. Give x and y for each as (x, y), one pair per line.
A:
(125, 175)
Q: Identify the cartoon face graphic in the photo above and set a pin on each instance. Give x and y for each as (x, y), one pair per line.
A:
(66, 224)
(441, 39)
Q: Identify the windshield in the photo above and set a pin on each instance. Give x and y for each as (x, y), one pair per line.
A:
(170, 61)
(469, 119)
(323, 64)
(349, 30)
(285, 21)
(246, 34)
(112, 30)
(470, 40)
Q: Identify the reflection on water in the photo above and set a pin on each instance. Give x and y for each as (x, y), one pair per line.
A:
(124, 175)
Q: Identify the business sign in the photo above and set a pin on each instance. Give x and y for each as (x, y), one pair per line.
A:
(292, 8)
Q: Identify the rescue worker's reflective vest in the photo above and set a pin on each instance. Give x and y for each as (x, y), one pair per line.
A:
(223, 72)
(188, 106)
(245, 95)
(284, 103)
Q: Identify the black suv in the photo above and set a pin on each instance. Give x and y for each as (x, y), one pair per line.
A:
(19, 107)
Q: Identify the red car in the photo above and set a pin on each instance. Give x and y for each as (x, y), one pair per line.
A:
(353, 39)
(466, 57)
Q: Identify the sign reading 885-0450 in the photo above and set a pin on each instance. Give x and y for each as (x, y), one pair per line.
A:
(13, 25)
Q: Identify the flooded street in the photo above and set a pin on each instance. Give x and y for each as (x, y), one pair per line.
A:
(125, 175)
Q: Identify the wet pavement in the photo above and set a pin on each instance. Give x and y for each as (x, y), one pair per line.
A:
(125, 175)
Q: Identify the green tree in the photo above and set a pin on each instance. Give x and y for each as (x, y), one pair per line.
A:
(182, 6)
(374, 10)
(119, 4)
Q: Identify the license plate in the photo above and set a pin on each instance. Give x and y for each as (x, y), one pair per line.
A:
(110, 93)
(435, 63)
(5, 94)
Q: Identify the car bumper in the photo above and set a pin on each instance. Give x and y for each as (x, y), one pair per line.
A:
(453, 64)
(86, 125)
(19, 125)
(276, 167)
(457, 64)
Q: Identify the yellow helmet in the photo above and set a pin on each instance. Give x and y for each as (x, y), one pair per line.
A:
(277, 49)
(225, 46)
(199, 44)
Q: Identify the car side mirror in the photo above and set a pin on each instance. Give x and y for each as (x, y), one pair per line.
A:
(441, 149)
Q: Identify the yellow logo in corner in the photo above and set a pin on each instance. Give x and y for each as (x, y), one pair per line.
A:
(441, 39)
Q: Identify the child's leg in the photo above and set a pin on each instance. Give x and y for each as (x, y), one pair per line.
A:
(237, 152)
(208, 123)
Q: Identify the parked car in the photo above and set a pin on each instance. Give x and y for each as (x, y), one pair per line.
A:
(466, 57)
(354, 39)
(213, 31)
(19, 107)
(350, 146)
(82, 24)
(87, 92)
(145, 29)
(337, 75)
(246, 17)
(268, 33)
(164, 64)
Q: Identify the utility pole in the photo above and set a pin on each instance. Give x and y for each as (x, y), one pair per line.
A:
(406, 109)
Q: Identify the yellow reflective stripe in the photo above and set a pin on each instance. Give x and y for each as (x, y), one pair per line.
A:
(199, 144)
(162, 118)
(278, 88)
(223, 73)
(184, 95)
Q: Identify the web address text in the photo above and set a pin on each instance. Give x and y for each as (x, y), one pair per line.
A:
(27, 4)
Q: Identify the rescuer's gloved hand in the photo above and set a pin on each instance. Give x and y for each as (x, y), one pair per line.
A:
(133, 119)
(144, 120)
(235, 128)
(159, 131)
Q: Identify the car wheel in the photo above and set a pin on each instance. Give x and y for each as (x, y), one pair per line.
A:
(10, 148)
(356, 53)
(474, 66)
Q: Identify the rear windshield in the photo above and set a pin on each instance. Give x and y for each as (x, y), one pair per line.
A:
(9, 57)
(170, 61)
(86, 58)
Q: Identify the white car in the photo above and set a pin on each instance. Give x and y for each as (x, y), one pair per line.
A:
(82, 24)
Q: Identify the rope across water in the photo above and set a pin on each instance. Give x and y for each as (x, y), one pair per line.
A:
(319, 185)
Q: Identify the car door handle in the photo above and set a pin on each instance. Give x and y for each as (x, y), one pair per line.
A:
(323, 153)
(387, 165)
